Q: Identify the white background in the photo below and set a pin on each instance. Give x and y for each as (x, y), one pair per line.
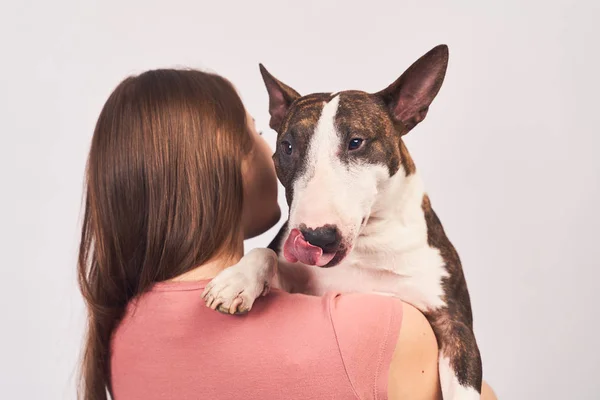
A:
(508, 153)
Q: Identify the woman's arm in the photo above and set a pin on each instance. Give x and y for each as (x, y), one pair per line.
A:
(487, 393)
(413, 373)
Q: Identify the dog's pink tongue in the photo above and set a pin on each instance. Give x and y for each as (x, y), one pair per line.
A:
(297, 249)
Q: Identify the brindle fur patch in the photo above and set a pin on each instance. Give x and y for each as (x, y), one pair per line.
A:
(453, 324)
(407, 162)
(359, 115)
(297, 128)
(277, 243)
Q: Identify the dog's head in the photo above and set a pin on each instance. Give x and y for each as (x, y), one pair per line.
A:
(335, 152)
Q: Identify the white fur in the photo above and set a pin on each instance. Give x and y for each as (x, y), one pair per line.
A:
(391, 254)
(329, 191)
(451, 388)
(395, 239)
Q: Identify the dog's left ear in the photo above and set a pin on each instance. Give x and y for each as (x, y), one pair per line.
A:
(409, 97)
(281, 97)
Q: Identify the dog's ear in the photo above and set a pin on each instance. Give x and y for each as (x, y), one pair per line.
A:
(410, 96)
(281, 97)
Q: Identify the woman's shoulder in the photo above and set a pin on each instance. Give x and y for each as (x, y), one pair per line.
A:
(364, 330)
(367, 327)
(387, 345)
(374, 311)
(345, 311)
(375, 314)
(364, 306)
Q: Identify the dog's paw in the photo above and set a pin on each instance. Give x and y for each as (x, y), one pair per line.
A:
(236, 288)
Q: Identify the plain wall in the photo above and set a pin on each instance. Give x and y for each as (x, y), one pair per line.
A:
(508, 153)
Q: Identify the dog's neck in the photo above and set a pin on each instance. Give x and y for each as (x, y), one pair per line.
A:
(399, 198)
(397, 215)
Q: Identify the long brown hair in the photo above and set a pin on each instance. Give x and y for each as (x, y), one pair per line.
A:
(163, 194)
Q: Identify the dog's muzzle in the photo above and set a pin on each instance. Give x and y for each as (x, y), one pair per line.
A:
(312, 246)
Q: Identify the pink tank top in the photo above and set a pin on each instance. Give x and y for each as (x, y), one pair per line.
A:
(290, 346)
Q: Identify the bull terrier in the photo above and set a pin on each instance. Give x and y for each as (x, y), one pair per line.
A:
(360, 219)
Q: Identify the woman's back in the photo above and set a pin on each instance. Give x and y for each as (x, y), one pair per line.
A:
(171, 346)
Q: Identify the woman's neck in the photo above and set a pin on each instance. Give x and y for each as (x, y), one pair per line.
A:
(212, 267)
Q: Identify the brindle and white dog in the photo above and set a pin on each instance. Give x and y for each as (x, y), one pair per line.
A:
(360, 219)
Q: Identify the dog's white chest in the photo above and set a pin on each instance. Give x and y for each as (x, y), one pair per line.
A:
(414, 276)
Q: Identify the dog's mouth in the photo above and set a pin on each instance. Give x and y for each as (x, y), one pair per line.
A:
(296, 248)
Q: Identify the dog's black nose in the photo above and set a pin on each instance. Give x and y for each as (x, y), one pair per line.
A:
(326, 237)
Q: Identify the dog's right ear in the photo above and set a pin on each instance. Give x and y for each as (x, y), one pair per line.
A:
(281, 97)
(409, 98)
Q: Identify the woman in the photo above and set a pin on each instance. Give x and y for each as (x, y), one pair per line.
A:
(177, 178)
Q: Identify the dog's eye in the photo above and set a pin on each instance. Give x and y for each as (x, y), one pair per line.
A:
(355, 144)
(286, 147)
